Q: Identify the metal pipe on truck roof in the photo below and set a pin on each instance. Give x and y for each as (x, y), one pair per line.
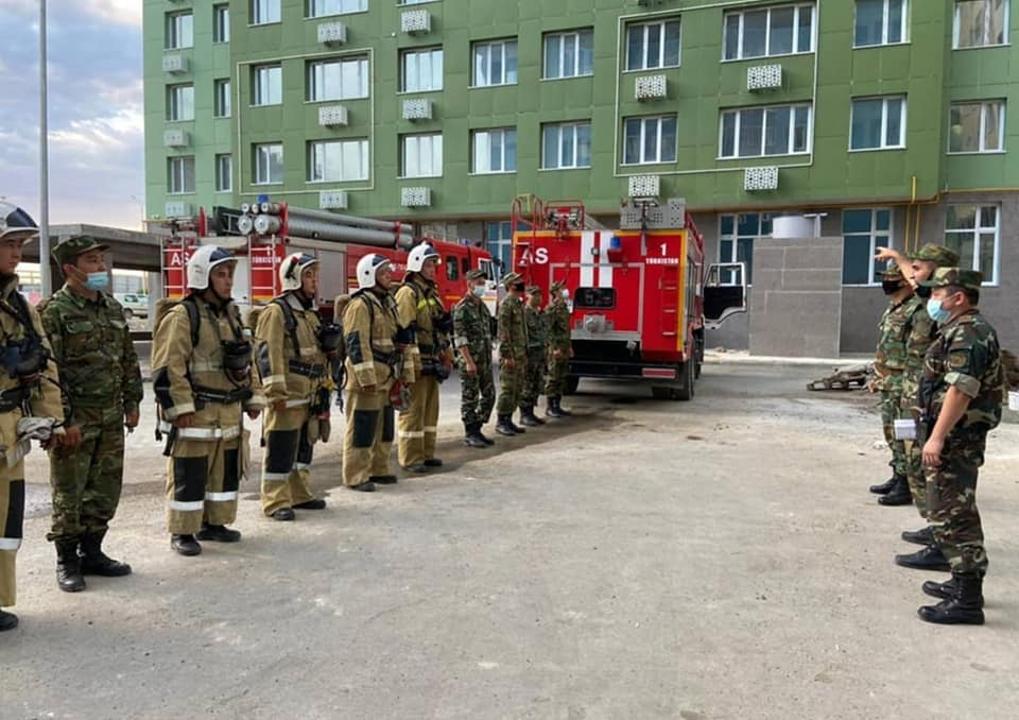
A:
(317, 230)
(339, 218)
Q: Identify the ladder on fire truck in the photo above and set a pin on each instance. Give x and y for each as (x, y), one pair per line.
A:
(183, 239)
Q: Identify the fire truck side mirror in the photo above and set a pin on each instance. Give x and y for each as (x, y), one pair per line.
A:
(725, 293)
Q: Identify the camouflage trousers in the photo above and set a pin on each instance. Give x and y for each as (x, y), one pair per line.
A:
(477, 395)
(558, 370)
(511, 385)
(952, 502)
(87, 481)
(534, 378)
(891, 410)
(913, 450)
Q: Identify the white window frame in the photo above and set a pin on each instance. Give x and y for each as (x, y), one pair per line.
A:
(574, 127)
(493, 136)
(221, 23)
(260, 177)
(257, 100)
(433, 52)
(177, 175)
(660, 25)
(884, 122)
(566, 36)
(224, 168)
(878, 238)
(976, 233)
(179, 37)
(956, 18)
(490, 47)
(644, 120)
(767, 35)
(885, 25)
(363, 80)
(265, 12)
(310, 14)
(986, 107)
(360, 146)
(436, 151)
(414, 2)
(222, 99)
(731, 277)
(790, 144)
(174, 106)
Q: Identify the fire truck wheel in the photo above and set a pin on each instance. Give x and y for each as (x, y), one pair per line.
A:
(687, 375)
(572, 383)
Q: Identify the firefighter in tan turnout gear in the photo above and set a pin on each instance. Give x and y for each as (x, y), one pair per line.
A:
(423, 319)
(375, 363)
(293, 349)
(204, 380)
(30, 405)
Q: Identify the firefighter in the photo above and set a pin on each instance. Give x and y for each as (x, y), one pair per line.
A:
(537, 337)
(204, 381)
(28, 386)
(293, 350)
(375, 363)
(421, 316)
(512, 354)
(559, 349)
(472, 324)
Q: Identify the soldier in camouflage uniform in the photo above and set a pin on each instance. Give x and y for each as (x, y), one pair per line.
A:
(559, 349)
(103, 384)
(512, 354)
(961, 395)
(537, 336)
(472, 333)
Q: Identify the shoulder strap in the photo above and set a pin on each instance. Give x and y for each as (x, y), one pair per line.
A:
(194, 318)
(290, 321)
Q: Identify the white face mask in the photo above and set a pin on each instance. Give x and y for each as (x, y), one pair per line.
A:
(478, 290)
(566, 294)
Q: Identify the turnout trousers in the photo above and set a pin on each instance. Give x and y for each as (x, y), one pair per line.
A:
(12, 515)
(418, 424)
(286, 463)
(368, 435)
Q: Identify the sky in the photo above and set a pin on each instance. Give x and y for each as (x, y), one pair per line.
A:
(95, 110)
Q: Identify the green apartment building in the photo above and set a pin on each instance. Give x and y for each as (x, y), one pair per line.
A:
(889, 118)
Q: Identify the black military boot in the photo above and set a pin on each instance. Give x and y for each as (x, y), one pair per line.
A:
(283, 514)
(527, 417)
(885, 487)
(313, 504)
(95, 562)
(69, 577)
(965, 607)
(8, 621)
(919, 537)
(505, 426)
(553, 409)
(219, 533)
(559, 406)
(930, 558)
(488, 441)
(472, 437)
(944, 591)
(433, 463)
(898, 495)
(185, 545)
(384, 479)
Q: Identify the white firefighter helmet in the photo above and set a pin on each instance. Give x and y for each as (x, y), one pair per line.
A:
(16, 223)
(201, 263)
(368, 268)
(417, 257)
(293, 268)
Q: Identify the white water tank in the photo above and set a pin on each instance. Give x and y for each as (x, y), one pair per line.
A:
(791, 227)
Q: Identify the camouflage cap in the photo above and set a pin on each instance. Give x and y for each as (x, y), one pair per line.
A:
(943, 256)
(892, 273)
(533, 289)
(557, 285)
(953, 276)
(71, 248)
(511, 278)
(476, 275)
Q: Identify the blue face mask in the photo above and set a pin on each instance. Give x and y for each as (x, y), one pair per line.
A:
(97, 281)
(937, 311)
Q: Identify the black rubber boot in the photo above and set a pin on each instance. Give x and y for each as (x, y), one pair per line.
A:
(944, 591)
(433, 463)
(383, 479)
(69, 577)
(313, 504)
(505, 426)
(930, 558)
(965, 607)
(552, 408)
(472, 437)
(284, 514)
(367, 486)
(527, 417)
(919, 537)
(8, 621)
(899, 495)
(885, 487)
(219, 533)
(488, 441)
(418, 468)
(185, 545)
(95, 562)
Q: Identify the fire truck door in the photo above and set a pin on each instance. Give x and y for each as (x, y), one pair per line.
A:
(725, 293)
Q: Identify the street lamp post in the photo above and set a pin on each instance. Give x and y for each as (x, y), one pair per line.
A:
(44, 161)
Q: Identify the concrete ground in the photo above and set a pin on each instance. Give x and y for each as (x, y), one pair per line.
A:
(697, 561)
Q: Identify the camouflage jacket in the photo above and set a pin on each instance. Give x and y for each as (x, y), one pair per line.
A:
(890, 359)
(92, 346)
(537, 328)
(921, 333)
(966, 355)
(558, 318)
(472, 328)
(512, 328)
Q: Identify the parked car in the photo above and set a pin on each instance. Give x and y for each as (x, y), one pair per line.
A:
(135, 304)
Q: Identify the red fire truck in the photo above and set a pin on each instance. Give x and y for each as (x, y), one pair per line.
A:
(641, 295)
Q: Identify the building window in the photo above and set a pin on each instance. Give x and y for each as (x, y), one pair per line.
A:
(220, 23)
(494, 151)
(319, 8)
(345, 79)
(499, 242)
(780, 30)
(180, 175)
(777, 130)
(267, 85)
(977, 127)
(566, 146)
(268, 163)
(421, 155)
(338, 160)
(880, 22)
(224, 173)
(180, 102)
(264, 12)
(652, 45)
(221, 98)
(180, 30)
(421, 70)
(980, 23)
(863, 232)
(878, 123)
(649, 140)
(495, 63)
(569, 54)
(736, 236)
(973, 231)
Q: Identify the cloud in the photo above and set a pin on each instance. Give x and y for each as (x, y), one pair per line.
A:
(121, 12)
